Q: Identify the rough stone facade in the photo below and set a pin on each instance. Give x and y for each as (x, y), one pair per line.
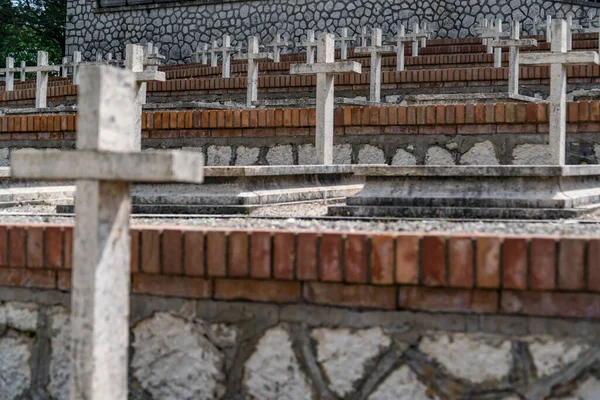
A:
(184, 349)
(179, 27)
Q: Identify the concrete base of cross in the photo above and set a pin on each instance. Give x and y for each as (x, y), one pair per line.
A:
(515, 192)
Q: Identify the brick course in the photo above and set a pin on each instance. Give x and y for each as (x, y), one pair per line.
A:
(550, 276)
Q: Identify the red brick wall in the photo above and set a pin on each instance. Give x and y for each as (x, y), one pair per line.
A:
(583, 117)
(529, 275)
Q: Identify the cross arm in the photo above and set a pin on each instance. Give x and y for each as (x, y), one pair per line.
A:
(578, 57)
(43, 68)
(148, 76)
(342, 67)
(379, 49)
(254, 56)
(160, 166)
(514, 42)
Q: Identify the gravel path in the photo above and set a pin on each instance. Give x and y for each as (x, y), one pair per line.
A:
(298, 218)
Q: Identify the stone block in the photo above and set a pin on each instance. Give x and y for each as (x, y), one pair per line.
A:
(531, 154)
(280, 155)
(402, 384)
(403, 157)
(246, 155)
(60, 330)
(307, 154)
(15, 370)
(342, 154)
(437, 156)
(370, 155)
(218, 156)
(551, 355)
(481, 153)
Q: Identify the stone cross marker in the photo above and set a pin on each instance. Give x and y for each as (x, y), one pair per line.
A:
(570, 29)
(42, 70)
(364, 36)
(226, 51)
(344, 39)
(558, 59)
(201, 54)
(494, 32)
(253, 56)
(134, 61)
(425, 32)
(400, 39)
(278, 45)
(103, 165)
(214, 54)
(416, 36)
(376, 50)
(9, 73)
(310, 45)
(152, 57)
(592, 29)
(64, 68)
(513, 44)
(546, 25)
(325, 68)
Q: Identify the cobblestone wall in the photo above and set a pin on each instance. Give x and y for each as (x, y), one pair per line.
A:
(179, 28)
(210, 350)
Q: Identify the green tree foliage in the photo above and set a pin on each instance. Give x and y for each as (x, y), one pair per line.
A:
(27, 26)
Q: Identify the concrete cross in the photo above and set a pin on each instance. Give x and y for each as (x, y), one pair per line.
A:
(415, 37)
(592, 29)
(152, 57)
(278, 44)
(494, 32)
(103, 165)
(9, 73)
(325, 68)
(134, 61)
(76, 62)
(310, 44)
(364, 36)
(41, 85)
(214, 54)
(253, 56)
(570, 29)
(376, 50)
(64, 68)
(344, 39)
(201, 55)
(23, 74)
(426, 32)
(226, 51)
(546, 25)
(99, 56)
(558, 59)
(400, 39)
(513, 44)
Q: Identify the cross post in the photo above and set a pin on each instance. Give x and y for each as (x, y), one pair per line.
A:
(103, 166)
(310, 44)
(400, 39)
(278, 44)
(325, 68)
(41, 85)
(253, 56)
(491, 33)
(426, 32)
(376, 50)
(559, 59)
(514, 43)
(76, 67)
(364, 36)
(344, 39)
(152, 57)
(201, 55)
(134, 61)
(226, 51)
(9, 73)
(23, 74)
(214, 56)
(570, 29)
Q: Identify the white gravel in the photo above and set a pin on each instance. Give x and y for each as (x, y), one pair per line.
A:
(306, 217)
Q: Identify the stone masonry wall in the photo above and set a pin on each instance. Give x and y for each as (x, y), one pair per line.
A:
(180, 27)
(241, 314)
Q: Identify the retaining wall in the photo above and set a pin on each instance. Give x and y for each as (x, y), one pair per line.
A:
(305, 315)
(180, 27)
